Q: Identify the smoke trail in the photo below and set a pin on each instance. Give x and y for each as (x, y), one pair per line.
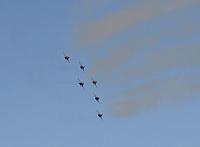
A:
(163, 60)
(112, 62)
(147, 65)
(176, 89)
(154, 62)
(128, 107)
(119, 57)
(173, 90)
(122, 20)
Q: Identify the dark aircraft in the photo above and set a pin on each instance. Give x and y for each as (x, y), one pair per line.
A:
(81, 83)
(82, 67)
(96, 98)
(66, 58)
(100, 115)
(94, 82)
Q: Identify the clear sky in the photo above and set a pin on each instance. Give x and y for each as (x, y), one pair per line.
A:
(144, 54)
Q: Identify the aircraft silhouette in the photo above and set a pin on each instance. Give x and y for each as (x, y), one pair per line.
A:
(100, 115)
(81, 83)
(97, 98)
(94, 82)
(82, 67)
(66, 58)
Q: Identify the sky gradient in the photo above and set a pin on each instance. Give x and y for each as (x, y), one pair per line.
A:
(144, 54)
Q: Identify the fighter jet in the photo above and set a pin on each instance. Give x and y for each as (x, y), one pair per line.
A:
(97, 98)
(66, 58)
(94, 82)
(81, 83)
(100, 115)
(82, 67)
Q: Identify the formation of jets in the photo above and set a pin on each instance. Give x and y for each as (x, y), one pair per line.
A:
(81, 83)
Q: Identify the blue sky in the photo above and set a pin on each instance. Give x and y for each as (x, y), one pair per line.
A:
(144, 55)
